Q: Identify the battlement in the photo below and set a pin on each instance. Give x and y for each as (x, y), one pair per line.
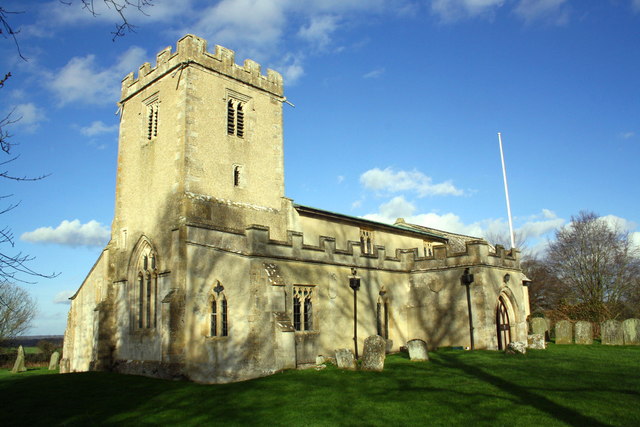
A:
(192, 50)
(256, 241)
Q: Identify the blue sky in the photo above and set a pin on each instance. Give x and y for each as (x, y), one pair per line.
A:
(397, 108)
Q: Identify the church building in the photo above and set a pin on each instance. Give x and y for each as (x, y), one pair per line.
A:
(213, 275)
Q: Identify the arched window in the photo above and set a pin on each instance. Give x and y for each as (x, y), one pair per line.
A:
(237, 171)
(147, 289)
(219, 313)
(303, 308)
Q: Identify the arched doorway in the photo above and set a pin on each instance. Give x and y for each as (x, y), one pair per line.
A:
(502, 324)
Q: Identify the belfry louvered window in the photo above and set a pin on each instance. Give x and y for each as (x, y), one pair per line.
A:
(235, 118)
(152, 113)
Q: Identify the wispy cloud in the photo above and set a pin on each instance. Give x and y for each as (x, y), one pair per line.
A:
(318, 31)
(98, 127)
(551, 11)
(629, 134)
(389, 181)
(28, 116)
(374, 74)
(635, 5)
(62, 297)
(453, 10)
(70, 233)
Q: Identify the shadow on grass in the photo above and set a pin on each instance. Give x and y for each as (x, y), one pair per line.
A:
(520, 393)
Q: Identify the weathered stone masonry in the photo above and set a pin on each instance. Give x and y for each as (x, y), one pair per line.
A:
(213, 275)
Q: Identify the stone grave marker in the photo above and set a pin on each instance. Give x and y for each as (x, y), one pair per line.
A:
(584, 332)
(564, 332)
(18, 366)
(539, 326)
(631, 331)
(516, 347)
(536, 342)
(53, 362)
(417, 350)
(611, 331)
(374, 353)
(345, 359)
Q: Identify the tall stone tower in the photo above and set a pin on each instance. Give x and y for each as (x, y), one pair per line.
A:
(200, 140)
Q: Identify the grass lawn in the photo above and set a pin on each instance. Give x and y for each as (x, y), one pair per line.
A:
(563, 385)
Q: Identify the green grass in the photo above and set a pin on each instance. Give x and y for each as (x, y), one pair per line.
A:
(564, 385)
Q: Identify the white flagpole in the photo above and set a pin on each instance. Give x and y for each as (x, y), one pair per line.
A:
(506, 192)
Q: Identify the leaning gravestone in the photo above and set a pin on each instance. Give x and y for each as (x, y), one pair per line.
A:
(611, 331)
(584, 332)
(564, 332)
(536, 342)
(374, 353)
(539, 326)
(345, 359)
(516, 347)
(19, 365)
(53, 362)
(417, 350)
(631, 331)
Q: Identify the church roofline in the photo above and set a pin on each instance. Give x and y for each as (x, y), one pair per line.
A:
(393, 228)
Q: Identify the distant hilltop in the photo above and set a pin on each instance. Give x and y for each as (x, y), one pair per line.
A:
(32, 340)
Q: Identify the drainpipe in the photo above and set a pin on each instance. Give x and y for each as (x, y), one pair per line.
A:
(467, 280)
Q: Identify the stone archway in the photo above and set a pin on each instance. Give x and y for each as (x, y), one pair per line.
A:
(503, 323)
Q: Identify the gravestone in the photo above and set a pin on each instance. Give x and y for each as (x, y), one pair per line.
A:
(374, 353)
(516, 347)
(584, 332)
(564, 332)
(53, 362)
(536, 342)
(539, 326)
(611, 331)
(417, 350)
(631, 331)
(345, 359)
(18, 366)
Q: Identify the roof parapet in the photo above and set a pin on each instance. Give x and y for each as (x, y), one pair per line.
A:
(193, 49)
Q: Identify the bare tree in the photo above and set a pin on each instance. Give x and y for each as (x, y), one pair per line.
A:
(17, 310)
(14, 267)
(596, 263)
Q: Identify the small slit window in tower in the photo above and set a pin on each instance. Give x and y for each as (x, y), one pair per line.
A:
(237, 172)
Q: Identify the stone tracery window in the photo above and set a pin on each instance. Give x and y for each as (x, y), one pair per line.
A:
(219, 323)
(147, 289)
(428, 248)
(303, 308)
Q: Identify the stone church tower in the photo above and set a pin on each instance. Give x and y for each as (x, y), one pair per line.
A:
(212, 274)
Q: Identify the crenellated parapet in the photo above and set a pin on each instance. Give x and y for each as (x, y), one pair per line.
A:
(192, 50)
(255, 241)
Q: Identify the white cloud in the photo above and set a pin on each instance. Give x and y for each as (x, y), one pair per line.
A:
(28, 116)
(62, 297)
(374, 74)
(387, 180)
(629, 134)
(70, 233)
(319, 30)
(546, 10)
(83, 80)
(452, 10)
(98, 127)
